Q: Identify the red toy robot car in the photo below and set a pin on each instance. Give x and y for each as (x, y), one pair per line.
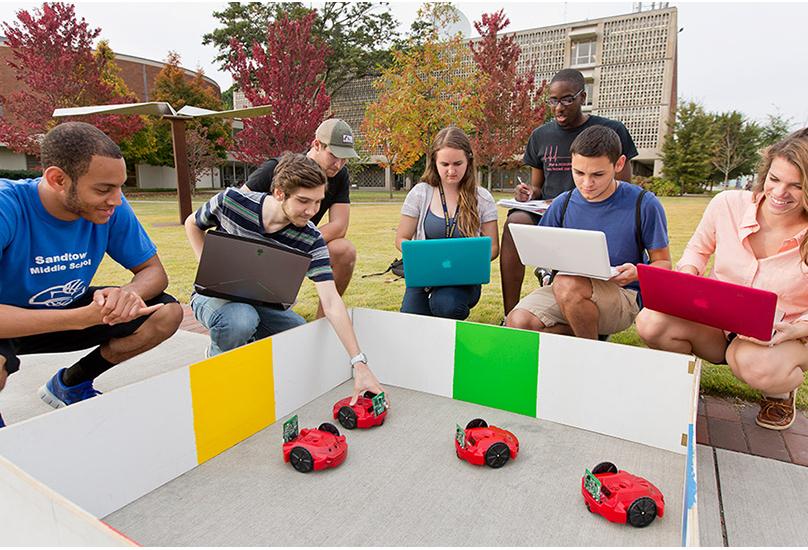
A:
(368, 411)
(621, 497)
(482, 444)
(313, 449)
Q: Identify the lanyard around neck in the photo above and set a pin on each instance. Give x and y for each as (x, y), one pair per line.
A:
(450, 227)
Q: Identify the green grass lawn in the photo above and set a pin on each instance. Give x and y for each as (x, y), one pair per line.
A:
(372, 230)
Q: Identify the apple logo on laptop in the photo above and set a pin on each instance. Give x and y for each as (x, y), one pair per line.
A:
(259, 251)
(446, 264)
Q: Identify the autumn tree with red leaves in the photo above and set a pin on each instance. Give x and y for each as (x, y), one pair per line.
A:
(511, 102)
(289, 76)
(53, 60)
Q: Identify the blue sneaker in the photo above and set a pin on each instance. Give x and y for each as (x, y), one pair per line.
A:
(2, 424)
(57, 395)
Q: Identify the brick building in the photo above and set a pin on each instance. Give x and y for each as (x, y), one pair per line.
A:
(139, 74)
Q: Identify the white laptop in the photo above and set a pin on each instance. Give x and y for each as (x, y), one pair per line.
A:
(568, 251)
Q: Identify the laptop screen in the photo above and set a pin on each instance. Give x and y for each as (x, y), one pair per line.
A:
(447, 262)
(727, 306)
(250, 270)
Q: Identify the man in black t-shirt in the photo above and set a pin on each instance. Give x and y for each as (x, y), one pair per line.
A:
(549, 158)
(332, 146)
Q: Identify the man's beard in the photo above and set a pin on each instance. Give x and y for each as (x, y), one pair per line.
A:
(73, 203)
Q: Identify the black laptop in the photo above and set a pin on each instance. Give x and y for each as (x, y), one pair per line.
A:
(248, 270)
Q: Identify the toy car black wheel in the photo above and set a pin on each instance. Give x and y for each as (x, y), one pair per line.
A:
(301, 460)
(497, 455)
(588, 507)
(641, 512)
(347, 417)
(605, 468)
(328, 427)
(477, 423)
(369, 394)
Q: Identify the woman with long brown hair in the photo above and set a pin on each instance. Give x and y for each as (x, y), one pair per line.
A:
(447, 203)
(759, 238)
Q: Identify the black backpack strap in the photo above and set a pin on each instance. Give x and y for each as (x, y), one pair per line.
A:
(638, 223)
(389, 268)
(564, 207)
(379, 273)
(561, 223)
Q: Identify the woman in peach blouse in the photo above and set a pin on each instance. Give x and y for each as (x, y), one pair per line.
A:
(759, 239)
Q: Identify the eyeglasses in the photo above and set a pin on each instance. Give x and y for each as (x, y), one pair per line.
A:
(566, 100)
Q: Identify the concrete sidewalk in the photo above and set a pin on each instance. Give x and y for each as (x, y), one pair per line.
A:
(743, 500)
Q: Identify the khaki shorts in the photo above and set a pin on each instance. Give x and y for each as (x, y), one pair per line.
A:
(617, 306)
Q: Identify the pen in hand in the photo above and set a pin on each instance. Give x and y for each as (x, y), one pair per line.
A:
(522, 191)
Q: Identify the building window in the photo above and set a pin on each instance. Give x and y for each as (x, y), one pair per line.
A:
(583, 53)
(589, 88)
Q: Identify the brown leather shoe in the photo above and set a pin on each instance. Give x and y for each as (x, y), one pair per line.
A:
(777, 414)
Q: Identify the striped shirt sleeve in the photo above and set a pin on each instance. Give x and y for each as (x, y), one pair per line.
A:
(320, 267)
(207, 216)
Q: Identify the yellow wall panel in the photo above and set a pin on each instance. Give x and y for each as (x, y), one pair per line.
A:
(233, 397)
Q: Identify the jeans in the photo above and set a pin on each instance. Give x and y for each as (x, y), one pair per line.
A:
(233, 324)
(450, 302)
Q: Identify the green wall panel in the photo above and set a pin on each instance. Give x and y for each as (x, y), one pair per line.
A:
(496, 367)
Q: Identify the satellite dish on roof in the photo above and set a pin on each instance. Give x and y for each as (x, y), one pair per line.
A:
(461, 25)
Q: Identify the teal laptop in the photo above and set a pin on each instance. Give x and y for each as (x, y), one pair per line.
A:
(447, 262)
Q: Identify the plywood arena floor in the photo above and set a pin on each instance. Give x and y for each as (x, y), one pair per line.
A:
(403, 485)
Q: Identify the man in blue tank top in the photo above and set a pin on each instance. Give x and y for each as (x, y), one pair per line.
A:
(54, 232)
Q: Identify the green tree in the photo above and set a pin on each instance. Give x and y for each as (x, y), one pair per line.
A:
(227, 97)
(736, 146)
(688, 151)
(774, 129)
(358, 34)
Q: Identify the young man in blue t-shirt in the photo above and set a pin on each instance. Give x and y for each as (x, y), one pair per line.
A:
(282, 216)
(583, 306)
(54, 232)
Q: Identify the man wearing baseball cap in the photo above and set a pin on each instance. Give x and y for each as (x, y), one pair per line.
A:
(332, 146)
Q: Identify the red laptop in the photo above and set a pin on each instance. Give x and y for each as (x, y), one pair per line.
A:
(730, 307)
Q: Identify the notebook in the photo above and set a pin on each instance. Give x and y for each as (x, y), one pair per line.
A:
(734, 308)
(250, 270)
(447, 262)
(568, 251)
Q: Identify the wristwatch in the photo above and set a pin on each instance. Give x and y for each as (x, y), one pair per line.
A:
(359, 358)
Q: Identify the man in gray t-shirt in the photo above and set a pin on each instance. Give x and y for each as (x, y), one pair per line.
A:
(548, 155)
